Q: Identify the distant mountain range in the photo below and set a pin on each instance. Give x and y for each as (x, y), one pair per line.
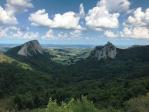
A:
(56, 46)
(51, 46)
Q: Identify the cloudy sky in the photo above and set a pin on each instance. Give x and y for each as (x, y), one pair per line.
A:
(123, 22)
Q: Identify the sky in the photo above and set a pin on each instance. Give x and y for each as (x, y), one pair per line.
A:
(94, 22)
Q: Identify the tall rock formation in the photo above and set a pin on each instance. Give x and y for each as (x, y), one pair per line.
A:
(107, 51)
(28, 49)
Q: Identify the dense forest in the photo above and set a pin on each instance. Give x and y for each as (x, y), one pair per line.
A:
(39, 84)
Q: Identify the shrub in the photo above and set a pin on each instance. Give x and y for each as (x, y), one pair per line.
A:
(139, 104)
(82, 105)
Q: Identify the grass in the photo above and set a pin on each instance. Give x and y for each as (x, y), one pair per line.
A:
(68, 55)
(7, 59)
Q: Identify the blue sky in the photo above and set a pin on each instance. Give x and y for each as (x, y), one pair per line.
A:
(123, 22)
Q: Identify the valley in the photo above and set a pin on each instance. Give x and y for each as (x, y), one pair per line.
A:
(106, 75)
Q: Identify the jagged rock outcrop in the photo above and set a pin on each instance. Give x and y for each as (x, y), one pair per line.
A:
(31, 48)
(107, 51)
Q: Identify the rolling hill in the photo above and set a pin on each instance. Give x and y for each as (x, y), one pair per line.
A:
(107, 75)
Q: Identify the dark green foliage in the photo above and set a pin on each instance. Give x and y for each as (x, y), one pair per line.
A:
(79, 105)
(108, 83)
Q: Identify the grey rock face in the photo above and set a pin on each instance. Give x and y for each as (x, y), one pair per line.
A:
(108, 51)
(30, 48)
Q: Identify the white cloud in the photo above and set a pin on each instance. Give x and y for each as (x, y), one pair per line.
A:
(110, 34)
(31, 35)
(136, 32)
(6, 17)
(68, 20)
(49, 34)
(75, 34)
(136, 25)
(82, 11)
(20, 3)
(13, 32)
(99, 17)
(63, 35)
(8, 14)
(15, 6)
(105, 15)
(115, 5)
(40, 18)
(2, 32)
(139, 18)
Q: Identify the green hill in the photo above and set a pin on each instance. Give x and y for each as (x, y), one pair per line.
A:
(27, 82)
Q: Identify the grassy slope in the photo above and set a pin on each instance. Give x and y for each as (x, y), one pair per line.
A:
(9, 60)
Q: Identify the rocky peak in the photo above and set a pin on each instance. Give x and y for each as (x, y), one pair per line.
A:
(30, 48)
(109, 44)
(107, 51)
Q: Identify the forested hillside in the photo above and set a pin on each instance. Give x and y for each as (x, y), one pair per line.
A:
(108, 84)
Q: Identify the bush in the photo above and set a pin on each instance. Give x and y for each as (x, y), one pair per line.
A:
(82, 105)
(139, 104)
